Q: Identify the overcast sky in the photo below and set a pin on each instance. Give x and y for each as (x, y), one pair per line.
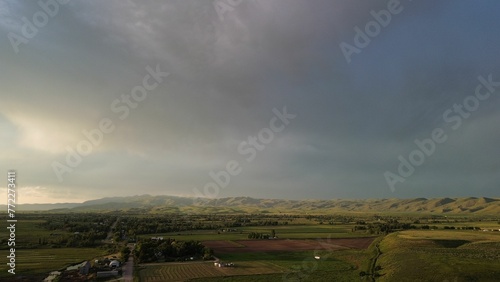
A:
(354, 102)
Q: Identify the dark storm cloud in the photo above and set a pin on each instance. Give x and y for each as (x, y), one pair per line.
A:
(353, 119)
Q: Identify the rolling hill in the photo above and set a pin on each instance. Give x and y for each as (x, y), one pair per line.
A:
(173, 204)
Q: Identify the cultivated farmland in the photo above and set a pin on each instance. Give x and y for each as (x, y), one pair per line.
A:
(36, 263)
(288, 245)
(186, 271)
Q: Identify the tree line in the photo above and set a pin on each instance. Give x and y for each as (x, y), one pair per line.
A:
(168, 249)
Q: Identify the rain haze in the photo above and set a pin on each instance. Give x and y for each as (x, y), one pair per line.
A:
(268, 99)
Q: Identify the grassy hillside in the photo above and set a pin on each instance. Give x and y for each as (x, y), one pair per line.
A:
(440, 255)
(171, 204)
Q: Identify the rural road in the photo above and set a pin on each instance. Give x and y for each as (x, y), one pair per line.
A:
(128, 267)
(110, 233)
(128, 273)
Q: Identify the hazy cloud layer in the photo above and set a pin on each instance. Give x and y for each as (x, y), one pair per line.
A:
(226, 76)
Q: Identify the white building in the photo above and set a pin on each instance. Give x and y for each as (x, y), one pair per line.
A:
(114, 263)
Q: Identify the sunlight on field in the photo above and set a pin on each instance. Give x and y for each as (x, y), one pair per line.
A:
(185, 271)
(450, 234)
(441, 254)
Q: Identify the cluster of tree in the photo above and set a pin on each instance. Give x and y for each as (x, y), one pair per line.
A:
(462, 227)
(78, 222)
(383, 227)
(59, 240)
(125, 252)
(331, 219)
(86, 229)
(162, 224)
(75, 230)
(427, 227)
(269, 223)
(394, 225)
(169, 250)
(257, 235)
(87, 239)
(130, 226)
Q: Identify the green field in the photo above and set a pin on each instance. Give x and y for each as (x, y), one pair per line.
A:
(341, 265)
(271, 266)
(39, 262)
(36, 261)
(28, 232)
(411, 255)
(440, 255)
(283, 232)
(185, 271)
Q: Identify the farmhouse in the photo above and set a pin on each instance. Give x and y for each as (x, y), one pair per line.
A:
(114, 263)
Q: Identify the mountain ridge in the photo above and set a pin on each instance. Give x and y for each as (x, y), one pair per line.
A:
(168, 204)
